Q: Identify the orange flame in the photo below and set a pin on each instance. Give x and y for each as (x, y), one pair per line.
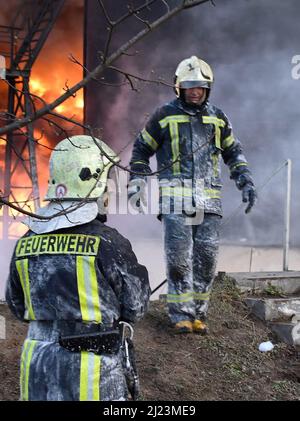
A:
(36, 87)
(72, 106)
(51, 75)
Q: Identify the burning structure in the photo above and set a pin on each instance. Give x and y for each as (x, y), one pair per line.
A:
(32, 73)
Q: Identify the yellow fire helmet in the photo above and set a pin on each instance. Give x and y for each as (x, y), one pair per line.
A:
(79, 167)
(191, 73)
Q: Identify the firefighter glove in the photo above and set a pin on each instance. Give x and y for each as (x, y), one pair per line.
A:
(245, 183)
(249, 195)
(137, 194)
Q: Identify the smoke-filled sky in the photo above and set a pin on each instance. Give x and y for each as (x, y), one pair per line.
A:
(250, 45)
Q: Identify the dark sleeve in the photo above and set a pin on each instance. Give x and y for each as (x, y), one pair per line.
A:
(126, 276)
(14, 295)
(232, 151)
(146, 145)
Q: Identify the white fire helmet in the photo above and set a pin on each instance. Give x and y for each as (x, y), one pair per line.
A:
(79, 168)
(191, 73)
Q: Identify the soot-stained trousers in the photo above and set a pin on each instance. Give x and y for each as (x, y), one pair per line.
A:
(75, 281)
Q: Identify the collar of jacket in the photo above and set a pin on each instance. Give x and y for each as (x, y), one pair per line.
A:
(102, 218)
(190, 109)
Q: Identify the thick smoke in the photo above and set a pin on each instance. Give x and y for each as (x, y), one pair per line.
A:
(250, 46)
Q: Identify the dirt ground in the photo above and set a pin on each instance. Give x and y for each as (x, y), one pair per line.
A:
(224, 365)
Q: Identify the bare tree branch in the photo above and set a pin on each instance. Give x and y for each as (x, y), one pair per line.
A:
(18, 123)
(130, 75)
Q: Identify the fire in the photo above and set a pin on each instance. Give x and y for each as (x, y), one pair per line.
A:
(51, 76)
(36, 87)
(79, 102)
(72, 106)
(61, 109)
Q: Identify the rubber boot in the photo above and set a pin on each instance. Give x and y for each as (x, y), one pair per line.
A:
(184, 326)
(199, 327)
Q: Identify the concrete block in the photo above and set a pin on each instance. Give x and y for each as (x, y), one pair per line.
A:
(257, 282)
(287, 332)
(271, 309)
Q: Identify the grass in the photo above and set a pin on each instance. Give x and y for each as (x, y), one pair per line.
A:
(273, 291)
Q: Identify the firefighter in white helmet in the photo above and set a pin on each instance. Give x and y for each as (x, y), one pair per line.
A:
(189, 136)
(76, 281)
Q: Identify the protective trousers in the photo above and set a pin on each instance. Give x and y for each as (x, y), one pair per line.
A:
(191, 257)
(49, 372)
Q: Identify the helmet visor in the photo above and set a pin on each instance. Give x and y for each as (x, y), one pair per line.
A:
(187, 84)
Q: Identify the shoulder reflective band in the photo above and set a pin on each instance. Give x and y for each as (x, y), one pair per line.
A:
(22, 268)
(228, 142)
(180, 118)
(172, 121)
(58, 244)
(26, 357)
(90, 368)
(149, 139)
(88, 289)
(217, 122)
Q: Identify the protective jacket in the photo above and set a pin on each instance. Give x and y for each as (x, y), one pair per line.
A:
(88, 273)
(74, 281)
(188, 142)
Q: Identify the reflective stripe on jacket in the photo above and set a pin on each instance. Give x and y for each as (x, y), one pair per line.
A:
(188, 143)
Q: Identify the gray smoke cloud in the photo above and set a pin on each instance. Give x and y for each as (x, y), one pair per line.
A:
(250, 45)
